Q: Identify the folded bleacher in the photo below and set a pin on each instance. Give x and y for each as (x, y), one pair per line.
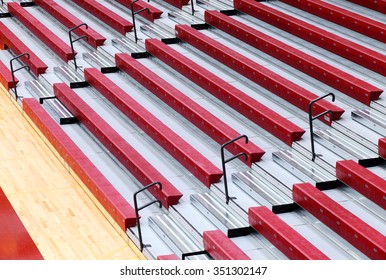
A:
(177, 147)
(263, 116)
(94, 39)
(354, 52)
(132, 160)
(11, 41)
(354, 230)
(310, 65)
(119, 209)
(192, 111)
(48, 37)
(257, 73)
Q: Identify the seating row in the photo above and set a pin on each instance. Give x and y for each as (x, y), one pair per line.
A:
(257, 73)
(56, 44)
(6, 77)
(377, 5)
(362, 180)
(354, 230)
(132, 160)
(354, 52)
(152, 13)
(177, 3)
(263, 116)
(348, 19)
(106, 15)
(192, 111)
(119, 209)
(69, 20)
(326, 73)
(9, 40)
(177, 147)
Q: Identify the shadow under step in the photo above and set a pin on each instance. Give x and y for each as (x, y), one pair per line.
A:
(220, 214)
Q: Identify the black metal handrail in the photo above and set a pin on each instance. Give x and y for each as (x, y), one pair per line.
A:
(15, 70)
(312, 118)
(223, 161)
(72, 41)
(141, 245)
(192, 5)
(185, 255)
(133, 17)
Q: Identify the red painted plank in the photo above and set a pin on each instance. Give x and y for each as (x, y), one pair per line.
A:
(330, 75)
(382, 147)
(282, 236)
(238, 100)
(106, 15)
(69, 20)
(196, 114)
(171, 257)
(377, 5)
(118, 207)
(183, 152)
(133, 161)
(177, 3)
(220, 247)
(348, 19)
(48, 37)
(15, 241)
(345, 48)
(362, 236)
(257, 73)
(11, 41)
(6, 77)
(153, 13)
(362, 180)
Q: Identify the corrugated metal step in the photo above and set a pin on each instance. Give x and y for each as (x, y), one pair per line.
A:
(180, 237)
(70, 76)
(101, 62)
(47, 97)
(305, 169)
(125, 44)
(220, 214)
(185, 18)
(265, 189)
(372, 119)
(153, 30)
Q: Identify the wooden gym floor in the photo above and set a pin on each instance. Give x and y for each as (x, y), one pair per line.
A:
(55, 208)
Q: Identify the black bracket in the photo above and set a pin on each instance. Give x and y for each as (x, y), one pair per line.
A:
(141, 245)
(72, 41)
(15, 70)
(223, 161)
(185, 255)
(311, 119)
(133, 17)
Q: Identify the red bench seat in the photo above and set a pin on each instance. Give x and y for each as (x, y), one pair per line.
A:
(132, 160)
(354, 52)
(261, 75)
(177, 147)
(112, 201)
(196, 114)
(6, 77)
(330, 75)
(107, 16)
(282, 236)
(153, 13)
(263, 116)
(362, 180)
(69, 20)
(9, 40)
(376, 5)
(354, 230)
(56, 44)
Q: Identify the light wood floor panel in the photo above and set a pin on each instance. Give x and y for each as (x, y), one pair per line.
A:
(60, 216)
